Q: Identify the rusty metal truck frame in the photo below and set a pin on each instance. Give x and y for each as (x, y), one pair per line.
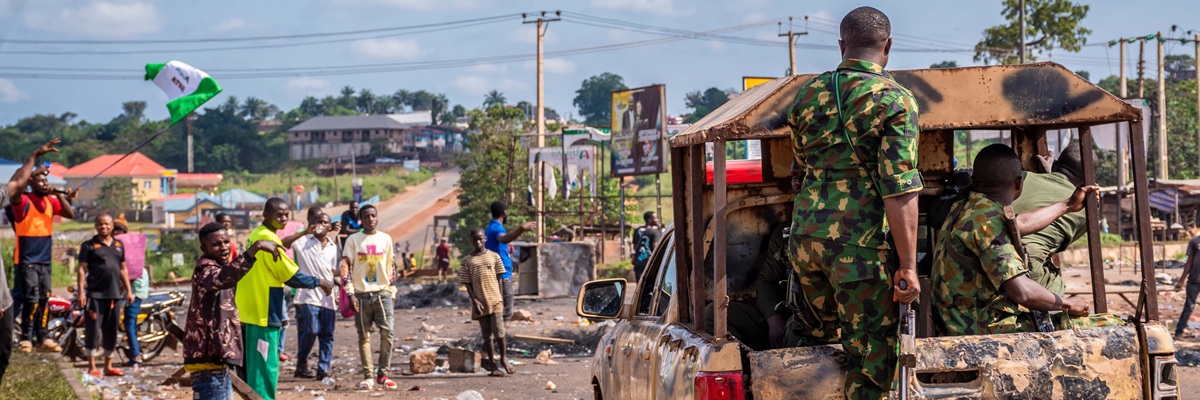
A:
(1026, 100)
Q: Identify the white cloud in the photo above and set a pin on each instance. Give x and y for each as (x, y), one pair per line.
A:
(9, 92)
(97, 19)
(420, 5)
(475, 86)
(231, 25)
(388, 49)
(308, 86)
(662, 7)
(553, 65)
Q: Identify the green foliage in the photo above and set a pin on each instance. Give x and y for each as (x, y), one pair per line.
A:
(594, 98)
(1049, 24)
(384, 183)
(703, 103)
(494, 98)
(945, 64)
(486, 168)
(168, 245)
(116, 196)
(619, 269)
(1181, 125)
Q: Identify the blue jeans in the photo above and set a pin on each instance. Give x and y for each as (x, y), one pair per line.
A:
(212, 385)
(1193, 288)
(314, 323)
(506, 292)
(131, 313)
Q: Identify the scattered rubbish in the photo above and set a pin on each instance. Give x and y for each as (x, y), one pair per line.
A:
(415, 388)
(329, 381)
(434, 295)
(544, 358)
(431, 328)
(422, 361)
(551, 386)
(521, 315)
(470, 395)
(559, 318)
(544, 339)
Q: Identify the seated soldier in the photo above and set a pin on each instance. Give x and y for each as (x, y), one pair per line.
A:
(980, 282)
(1042, 190)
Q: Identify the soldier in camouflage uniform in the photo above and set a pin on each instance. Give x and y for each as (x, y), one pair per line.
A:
(981, 284)
(854, 132)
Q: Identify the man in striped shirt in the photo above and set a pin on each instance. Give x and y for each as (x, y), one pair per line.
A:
(480, 272)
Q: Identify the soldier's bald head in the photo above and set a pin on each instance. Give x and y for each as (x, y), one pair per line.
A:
(865, 28)
(996, 167)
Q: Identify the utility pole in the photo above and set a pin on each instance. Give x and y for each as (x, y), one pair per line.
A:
(191, 117)
(792, 35)
(1196, 41)
(542, 23)
(1021, 28)
(1162, 113)
(1123, 91)
(1141, 69)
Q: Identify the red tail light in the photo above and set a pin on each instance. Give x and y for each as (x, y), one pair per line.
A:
(719, 385)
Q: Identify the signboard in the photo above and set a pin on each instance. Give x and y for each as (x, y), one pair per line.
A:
(412, 165)
(752, 81)
(638, 125)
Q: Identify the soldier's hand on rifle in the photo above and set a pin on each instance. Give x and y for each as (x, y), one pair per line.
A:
(1079, 198)
(1077, 307)
(911, 288)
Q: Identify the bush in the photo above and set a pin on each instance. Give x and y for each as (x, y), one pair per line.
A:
(618, 269)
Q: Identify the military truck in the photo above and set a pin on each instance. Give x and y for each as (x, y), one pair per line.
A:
(660, 347)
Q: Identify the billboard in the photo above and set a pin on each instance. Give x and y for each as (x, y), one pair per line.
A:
(752, 81)
(638, 131)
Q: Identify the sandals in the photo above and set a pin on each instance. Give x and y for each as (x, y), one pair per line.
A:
(497, 373)
(95, 373)
(113, 372)
(386, 383)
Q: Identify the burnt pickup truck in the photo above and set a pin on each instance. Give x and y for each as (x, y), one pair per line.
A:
(665, 345)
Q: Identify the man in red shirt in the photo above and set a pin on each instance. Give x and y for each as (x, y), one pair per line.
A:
(33, 220)
(443, 259)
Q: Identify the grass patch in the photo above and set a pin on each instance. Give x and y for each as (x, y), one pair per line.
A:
(385, 183)
(72, 225)
(1106, 240)
(618, 269)
(32, 376)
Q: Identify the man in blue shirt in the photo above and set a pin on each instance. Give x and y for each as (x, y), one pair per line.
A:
(498, 239)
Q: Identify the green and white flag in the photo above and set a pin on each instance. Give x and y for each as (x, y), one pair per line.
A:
(187, 88)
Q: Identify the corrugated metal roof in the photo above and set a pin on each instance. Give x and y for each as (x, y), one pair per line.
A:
(137, 164)
(7, 171)
(364, 122)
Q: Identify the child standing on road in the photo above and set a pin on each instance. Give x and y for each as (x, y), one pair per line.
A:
(102, 277)
(480, 272)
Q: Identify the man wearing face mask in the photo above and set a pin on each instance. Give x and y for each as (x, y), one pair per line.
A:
(259, 298)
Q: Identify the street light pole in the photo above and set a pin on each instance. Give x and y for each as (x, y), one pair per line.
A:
(541, 23)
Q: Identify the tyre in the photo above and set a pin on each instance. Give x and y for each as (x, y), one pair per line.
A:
(152, 337)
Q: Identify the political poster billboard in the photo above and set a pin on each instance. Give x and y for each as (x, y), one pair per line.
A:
(638, 131)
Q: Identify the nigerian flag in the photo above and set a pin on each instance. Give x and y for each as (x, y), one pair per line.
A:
(186, 87)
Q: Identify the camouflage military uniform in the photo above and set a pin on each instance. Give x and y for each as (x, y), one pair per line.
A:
(838, 244)
(979, 250)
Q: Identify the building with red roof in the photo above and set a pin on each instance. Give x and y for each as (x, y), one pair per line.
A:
(150, 179)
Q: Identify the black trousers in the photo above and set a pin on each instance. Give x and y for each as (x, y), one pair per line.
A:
(6, 343)
(100, 325)
(35, 287)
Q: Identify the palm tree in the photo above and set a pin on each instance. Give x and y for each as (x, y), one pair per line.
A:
(347, 99)
(328, 103)
(438, 106)
(494, 98)
(401, 98)
(253, 108)
(366, 99)
(384, 105)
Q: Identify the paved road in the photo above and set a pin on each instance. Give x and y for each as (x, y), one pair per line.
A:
(423, 197)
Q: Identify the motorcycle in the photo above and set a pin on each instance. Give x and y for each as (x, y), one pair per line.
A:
(57, 307)
(155, 323)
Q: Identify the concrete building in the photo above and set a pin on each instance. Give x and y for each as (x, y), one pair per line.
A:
(344, 136)
(147, 176)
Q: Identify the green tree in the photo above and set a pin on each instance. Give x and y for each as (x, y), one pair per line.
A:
(116, 196)
(945, 64)
(1049, 24)
(1181, 124)
(347, 98)
(703, 103)
(494, 98)
(365, 102)
(437, 108)
(485, 166)
(594, 98)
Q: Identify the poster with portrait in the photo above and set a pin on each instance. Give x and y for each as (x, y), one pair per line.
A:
(638, 134)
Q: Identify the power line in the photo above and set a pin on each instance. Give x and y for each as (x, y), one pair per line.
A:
(256, 38)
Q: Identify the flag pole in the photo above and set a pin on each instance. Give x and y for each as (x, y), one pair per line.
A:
(135, 149)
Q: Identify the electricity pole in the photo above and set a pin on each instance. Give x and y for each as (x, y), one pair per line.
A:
(1021, 28)
(190, 118)
(1123, 91)
(1141, 69)
(1196, 42)
(1162, 113)
(791, 35)
(542, 23)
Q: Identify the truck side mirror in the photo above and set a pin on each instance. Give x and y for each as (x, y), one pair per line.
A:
(601, 299)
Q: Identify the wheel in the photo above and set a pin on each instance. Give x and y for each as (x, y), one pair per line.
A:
(152, 337)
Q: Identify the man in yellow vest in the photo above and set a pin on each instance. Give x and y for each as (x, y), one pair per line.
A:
(33, 220)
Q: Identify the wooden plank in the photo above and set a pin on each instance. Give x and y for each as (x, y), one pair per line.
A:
(1095, 257)
(696, 229)
(1137, 151)
(543, 339)
(243, 388)
(720, 299)
(679, 192)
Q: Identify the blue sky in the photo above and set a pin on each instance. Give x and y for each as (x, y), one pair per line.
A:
(683, 65)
